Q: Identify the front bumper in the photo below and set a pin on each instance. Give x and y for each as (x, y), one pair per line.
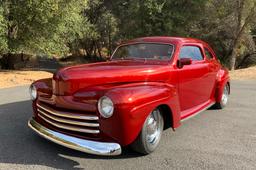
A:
(92, 147)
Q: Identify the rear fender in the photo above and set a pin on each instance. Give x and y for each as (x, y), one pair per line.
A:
(222, 79)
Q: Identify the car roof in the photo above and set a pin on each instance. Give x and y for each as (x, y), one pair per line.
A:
(165, 39)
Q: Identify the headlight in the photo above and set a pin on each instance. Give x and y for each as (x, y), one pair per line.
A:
(33, 92)
(105, 107)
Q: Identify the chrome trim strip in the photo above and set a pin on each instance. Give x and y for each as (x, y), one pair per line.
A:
(66, 114)
(195, 114)
(67, 127)
(83, 145)
(61, 120)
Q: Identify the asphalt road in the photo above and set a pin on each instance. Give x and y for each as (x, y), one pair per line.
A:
(215, 139)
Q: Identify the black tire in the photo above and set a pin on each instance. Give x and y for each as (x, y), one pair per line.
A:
(146, 143)
(224, 99)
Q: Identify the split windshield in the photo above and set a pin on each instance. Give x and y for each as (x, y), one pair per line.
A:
(144, 51)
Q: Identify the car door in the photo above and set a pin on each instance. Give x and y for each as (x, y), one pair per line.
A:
(193, 78)
(213, 66)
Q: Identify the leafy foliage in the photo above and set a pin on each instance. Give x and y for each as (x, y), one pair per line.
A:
(155, 17)
(42, 26)
(3, 26)
(58, 27)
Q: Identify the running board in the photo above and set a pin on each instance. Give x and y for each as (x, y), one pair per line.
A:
(195, 114)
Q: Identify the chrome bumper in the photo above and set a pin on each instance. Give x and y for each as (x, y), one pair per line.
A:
(92, 147)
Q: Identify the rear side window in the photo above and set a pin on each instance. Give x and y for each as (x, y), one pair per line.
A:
(192, 52)
(208, 54)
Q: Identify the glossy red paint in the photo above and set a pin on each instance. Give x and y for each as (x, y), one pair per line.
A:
(136, 87)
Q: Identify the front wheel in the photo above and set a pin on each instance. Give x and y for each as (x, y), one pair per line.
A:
(224, 98)
(151, 133)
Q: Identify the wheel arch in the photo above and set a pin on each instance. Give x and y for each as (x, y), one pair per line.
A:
(228, 87)
(167, 115)
(222, 79)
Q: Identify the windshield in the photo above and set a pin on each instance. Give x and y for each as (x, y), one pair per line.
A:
(144, 51)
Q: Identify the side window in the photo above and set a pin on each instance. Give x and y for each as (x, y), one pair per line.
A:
(192, 52)
(208, 54)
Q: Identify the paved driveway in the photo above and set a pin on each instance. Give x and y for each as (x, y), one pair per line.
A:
(215, 139)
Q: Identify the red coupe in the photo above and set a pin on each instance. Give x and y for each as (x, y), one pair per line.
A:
(150, 84)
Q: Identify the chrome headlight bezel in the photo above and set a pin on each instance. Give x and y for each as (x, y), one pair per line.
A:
(33, 92)
(105, 107)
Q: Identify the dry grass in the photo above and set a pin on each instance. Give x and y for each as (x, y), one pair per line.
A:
(244, 74)
(18, 78)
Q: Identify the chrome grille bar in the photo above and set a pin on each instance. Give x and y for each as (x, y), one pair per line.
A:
(68, 127)
(67, 114)
(67, 121)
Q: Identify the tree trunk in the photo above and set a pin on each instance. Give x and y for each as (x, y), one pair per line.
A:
(236, 45)
(234, 53)
(89, 49)
(233, 60)
(109, 43)
(99, 50)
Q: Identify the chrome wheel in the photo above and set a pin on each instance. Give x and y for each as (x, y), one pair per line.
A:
(150, 134)
(154, 127)
(224, 98)
(225, 94)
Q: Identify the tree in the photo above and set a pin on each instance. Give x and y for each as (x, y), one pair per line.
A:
(244, 18)
(155, 17)
(3, 26)
(225, 26)
(41, 26)
(100, 32)
(58, 27)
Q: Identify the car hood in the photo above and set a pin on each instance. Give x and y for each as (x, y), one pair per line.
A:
(68, 80)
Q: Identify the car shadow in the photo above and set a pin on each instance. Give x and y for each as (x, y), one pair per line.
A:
(20, 145)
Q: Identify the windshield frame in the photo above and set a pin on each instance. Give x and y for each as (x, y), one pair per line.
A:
(134, 43)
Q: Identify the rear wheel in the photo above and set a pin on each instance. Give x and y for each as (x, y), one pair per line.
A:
(151, 133)
(224, 98)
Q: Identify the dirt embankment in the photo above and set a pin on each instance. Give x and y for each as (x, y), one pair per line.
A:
(244, 74)
(19, 78)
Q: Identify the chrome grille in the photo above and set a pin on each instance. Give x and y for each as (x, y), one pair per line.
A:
(69, 121)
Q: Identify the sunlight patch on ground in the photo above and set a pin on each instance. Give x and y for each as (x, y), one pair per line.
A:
(19, 78)
(22, 166)
(244, 74)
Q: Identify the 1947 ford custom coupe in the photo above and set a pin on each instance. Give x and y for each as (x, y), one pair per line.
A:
(150, 84)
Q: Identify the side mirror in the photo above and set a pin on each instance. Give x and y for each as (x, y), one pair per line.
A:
(184, 61)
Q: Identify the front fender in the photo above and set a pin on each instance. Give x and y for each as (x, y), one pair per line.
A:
(133, 103)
